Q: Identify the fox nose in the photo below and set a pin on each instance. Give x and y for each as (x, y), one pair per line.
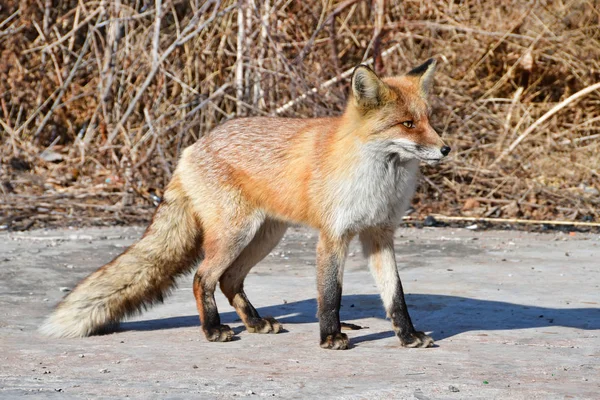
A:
(445, 150)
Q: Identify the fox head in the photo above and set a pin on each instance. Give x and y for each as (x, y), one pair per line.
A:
(394, 112)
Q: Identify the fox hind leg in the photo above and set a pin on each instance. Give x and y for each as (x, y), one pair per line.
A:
(222, 245)
(232, 281)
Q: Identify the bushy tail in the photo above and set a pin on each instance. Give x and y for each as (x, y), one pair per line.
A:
(137, 278)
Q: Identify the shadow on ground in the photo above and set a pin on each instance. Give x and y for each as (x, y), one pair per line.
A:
(444, 316)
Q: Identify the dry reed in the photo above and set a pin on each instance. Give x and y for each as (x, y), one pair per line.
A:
(98, 98)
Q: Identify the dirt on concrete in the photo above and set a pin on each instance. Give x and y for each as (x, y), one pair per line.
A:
(515, 315)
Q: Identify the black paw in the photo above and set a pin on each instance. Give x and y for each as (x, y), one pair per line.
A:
(220, 333)
(337, 341)
(415, 339)
(264, 325)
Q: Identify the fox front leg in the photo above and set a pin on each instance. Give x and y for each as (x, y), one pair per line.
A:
(378, 246)
(331, 254)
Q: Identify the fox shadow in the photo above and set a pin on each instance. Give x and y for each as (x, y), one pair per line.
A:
(443, 316)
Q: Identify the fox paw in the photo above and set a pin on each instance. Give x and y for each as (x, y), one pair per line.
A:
(264, 325)
(416, 339)
(337, 341)
(220, 333)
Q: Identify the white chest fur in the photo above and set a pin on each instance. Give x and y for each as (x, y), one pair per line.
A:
(378, 192)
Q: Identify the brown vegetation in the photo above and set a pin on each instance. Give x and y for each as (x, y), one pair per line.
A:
(98, 98)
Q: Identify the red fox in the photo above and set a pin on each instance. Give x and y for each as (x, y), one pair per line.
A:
(235, 191)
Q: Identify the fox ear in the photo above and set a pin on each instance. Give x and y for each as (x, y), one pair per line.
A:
(425, 74)
(368, 90)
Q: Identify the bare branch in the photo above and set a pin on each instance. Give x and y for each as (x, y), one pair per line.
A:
(545, 117)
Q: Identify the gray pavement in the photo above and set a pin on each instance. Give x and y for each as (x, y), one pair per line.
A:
(515, 315)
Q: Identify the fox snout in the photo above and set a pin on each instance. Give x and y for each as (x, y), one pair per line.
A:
(430, 153)
(438, 149)
(435, 141)
(434, 155)
(434, 149)
(443, 152)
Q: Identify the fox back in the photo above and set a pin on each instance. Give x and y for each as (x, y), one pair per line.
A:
(341, 173)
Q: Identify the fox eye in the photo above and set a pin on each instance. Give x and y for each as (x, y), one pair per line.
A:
(408, 124)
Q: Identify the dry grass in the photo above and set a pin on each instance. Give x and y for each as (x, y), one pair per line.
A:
(98, 98)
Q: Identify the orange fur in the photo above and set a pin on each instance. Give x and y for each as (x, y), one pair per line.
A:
(235, 190)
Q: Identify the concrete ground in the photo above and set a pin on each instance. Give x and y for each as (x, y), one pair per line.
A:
(515, 315)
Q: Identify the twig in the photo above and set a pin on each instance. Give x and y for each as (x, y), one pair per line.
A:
(446, 27)
(108, 70)
(322, 25)
(328, 83)
(54, 61)
(239, 65)
(65, 85)
(520, 203)
(264, 29)
(249, 35)
(46, 24)
(160, 152)
(333, 45)
(210, 98)
(10, 18)
(507, 221)
(544, 117)
(65, 37)
(379, 9)
(67, 57)
(8, 128)
(200, 106)
(185, 36)
(149, 151)
(432, 184)
(156, 39)
(580, 139)
(514, 101)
